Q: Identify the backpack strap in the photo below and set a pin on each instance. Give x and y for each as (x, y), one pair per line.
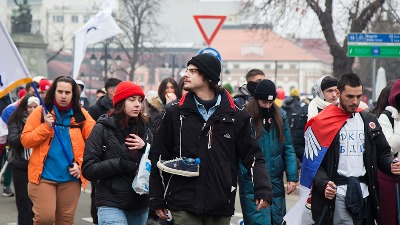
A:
(389, 115)
(80, 125)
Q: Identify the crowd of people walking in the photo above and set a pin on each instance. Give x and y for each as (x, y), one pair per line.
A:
(206, 145)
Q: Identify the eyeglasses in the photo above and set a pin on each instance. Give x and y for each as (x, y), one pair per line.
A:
(192, 71)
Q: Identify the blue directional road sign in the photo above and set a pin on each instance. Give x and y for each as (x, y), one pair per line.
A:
(373, 45)
(373, 38)
(211, 51)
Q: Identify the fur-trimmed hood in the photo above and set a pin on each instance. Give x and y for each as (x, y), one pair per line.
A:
(155, 102)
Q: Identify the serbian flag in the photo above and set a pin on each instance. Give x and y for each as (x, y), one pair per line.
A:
(319, 134)
(13, 72)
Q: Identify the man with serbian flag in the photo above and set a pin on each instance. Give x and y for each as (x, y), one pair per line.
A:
(344, 148)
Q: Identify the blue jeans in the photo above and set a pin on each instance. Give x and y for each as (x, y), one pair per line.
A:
(115, 216)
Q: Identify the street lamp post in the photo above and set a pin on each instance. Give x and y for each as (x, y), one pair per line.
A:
(105, 57)
(174, 63)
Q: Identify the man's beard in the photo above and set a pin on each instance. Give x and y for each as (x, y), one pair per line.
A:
(347, 107)
(186, 88)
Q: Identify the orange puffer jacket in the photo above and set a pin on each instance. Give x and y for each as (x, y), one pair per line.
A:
(38, 136)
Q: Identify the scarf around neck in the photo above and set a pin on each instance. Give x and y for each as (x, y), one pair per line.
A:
(61, 108)
(314, 106)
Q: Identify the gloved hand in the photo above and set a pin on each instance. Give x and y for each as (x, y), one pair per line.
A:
(129, 167)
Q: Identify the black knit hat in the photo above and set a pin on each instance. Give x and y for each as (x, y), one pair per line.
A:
(208, 65)
(265, 90)
(328, 82)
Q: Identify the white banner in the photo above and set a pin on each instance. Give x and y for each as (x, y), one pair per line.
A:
(98, 28)
(13, 72)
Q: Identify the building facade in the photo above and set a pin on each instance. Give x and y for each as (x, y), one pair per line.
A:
(290, 63)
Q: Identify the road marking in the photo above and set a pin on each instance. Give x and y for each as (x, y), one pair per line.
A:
(88, 219)
(86, 191)
(238, 214)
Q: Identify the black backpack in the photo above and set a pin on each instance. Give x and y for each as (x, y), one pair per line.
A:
(389, 115)
(293, 114)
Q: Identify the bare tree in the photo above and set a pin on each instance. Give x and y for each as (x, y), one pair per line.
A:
(349, 16)
(59, 43)
(139, 23)
(387, 21)
(60, 36)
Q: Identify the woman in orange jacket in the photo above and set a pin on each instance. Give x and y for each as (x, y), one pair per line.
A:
(54, 171)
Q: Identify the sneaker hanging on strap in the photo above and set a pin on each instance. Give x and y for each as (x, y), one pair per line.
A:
(187, 167)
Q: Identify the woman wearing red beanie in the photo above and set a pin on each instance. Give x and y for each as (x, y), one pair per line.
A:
(112, 155)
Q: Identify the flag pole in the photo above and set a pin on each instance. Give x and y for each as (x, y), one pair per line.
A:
(13, 51)
(54, 128)
(3, 169)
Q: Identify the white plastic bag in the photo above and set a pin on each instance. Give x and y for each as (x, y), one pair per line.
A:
(141, 182)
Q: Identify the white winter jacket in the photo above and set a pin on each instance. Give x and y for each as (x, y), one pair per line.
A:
(392, 134)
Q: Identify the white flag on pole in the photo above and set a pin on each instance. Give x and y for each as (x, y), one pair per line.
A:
(98, 28)
(380, 82)
(13, 72)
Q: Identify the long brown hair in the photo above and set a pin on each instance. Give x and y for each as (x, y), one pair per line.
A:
(214, 87)
(254, 110)
(382, 100)
(18, 115)
(48, 99)
(163, 87)
(119, 109)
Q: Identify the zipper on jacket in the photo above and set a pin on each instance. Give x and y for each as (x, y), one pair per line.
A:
(180, 135)
(202, 128)
(210, 136)
(40, 175)
(204, 125)
(251, 169)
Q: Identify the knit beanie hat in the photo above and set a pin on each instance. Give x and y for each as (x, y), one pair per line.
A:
(395, 91)
(33, 99)
(328, 82)
(44, 84)
(126, 89)
(280, 93)
(21, 93)
(295, 92)
(208, 65)
(265, 90)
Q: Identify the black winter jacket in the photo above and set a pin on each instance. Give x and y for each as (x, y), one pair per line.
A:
(377, 155)
(228, 133)
(14, 136)
(103, 166)
(101, 107)
(298, 137)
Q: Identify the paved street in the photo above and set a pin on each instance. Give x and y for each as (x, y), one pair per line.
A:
(8, 210)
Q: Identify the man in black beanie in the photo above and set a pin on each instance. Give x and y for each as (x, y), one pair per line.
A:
(198, 141)
(245, 92)
(208, 65)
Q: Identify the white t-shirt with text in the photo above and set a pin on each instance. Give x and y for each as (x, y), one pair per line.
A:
(351, 162)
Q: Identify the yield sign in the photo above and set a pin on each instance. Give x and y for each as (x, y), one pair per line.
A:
(216, 29)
